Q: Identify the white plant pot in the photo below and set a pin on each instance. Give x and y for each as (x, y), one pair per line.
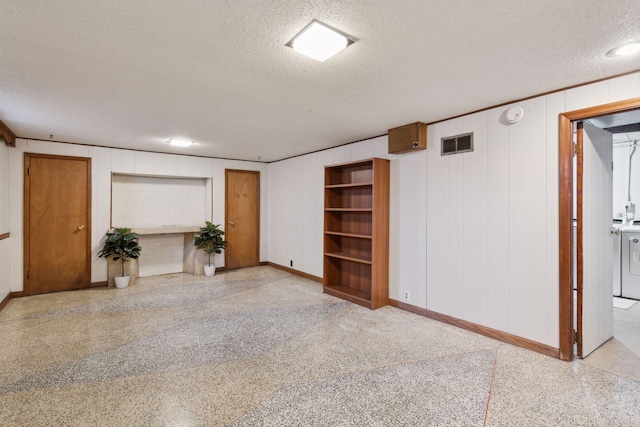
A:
(122, 281)
(209, 270)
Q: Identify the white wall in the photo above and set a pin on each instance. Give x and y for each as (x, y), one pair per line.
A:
(473, 236)
(5, 253)
(106, 161)
(492, 222)
(296, 213)
(621, 173)
(147, 201)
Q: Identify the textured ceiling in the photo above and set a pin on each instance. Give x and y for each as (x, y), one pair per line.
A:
(133, 74)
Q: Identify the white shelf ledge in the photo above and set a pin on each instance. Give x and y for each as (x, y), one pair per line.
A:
(167, 230)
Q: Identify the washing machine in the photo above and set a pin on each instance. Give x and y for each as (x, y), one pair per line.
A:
(630, 266)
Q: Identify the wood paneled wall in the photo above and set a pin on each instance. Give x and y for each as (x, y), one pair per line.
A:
(106, 161)
(491, 235)
(473, 236)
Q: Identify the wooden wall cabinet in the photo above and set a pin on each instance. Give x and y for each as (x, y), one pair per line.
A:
(408, 138)
(356, 232)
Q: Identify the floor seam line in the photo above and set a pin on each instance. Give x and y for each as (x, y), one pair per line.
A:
(617, 374)
(253, 408)
(493, 376)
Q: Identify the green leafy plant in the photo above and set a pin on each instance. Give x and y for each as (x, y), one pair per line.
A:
(210, 240)
(121, 244)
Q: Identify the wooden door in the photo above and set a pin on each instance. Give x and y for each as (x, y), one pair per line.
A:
(594, 241)
(242, 213)
(57, 223)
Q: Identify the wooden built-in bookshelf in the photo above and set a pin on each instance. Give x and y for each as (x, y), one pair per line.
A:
(356, 232)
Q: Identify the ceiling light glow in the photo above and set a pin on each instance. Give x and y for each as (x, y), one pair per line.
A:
(180, 142)
(626, 49)
(319, 41)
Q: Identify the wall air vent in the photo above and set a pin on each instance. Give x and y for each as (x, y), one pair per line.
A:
(457, 144)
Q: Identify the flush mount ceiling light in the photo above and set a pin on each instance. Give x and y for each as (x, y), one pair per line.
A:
(320, 41)
(626, 49)
(180, 142)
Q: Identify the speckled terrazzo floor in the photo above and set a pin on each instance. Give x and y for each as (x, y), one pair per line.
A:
(260, 347)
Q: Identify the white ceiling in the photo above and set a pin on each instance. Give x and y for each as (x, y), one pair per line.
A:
(132, 74)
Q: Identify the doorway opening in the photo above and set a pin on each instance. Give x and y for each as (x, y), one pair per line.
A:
(587, 222)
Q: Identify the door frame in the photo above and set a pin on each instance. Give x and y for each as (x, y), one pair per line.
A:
(565, 212)
(226, 207)
(579, 154)
(26, 284)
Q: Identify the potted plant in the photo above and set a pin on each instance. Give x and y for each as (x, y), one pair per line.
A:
(121, 244)
(210, 240)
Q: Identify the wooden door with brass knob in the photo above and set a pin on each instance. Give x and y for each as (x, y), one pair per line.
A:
(57, 223)
(242, 215)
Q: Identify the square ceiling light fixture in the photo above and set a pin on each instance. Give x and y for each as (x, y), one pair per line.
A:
(180, 142)
(320, 41)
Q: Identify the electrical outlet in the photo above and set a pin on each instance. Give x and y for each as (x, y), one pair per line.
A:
(405, 295)
(291, 263)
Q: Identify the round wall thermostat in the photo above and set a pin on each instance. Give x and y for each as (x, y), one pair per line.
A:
(514, 114)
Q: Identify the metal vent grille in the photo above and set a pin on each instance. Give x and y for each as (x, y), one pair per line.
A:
(457, 144)
(448, 145)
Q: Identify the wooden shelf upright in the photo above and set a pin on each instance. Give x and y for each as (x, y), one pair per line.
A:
(356, 232)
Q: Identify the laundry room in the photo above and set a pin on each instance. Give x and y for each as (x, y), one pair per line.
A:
(626, 212)
(625, 134)
(607, 180)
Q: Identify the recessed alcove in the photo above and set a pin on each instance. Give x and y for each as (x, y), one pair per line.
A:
(166, 212)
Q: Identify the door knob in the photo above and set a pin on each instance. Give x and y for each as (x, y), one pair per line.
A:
(231, 223)
(82, 227)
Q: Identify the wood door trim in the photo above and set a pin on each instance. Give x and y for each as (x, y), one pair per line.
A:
(226, 206)
(565, 238)
(26, 286)
(7, 134)
(565, 211)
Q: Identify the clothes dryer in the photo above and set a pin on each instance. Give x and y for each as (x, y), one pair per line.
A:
(630, 248)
